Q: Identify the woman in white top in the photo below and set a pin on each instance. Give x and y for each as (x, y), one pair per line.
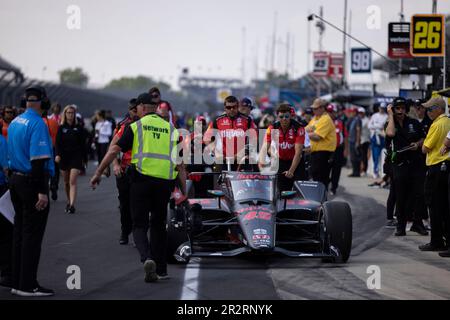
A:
(103, 134)
(376, 126)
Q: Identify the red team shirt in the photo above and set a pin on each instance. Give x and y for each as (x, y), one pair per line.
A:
(230, 130)
(126, 157)
(341, 132)
(287, 141)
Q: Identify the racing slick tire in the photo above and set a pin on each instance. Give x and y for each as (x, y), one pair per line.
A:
(338, 228)
(175, 238)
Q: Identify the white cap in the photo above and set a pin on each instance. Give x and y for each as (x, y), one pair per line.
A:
(361, 110)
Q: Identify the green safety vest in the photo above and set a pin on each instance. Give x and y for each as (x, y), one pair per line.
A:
(154, 142)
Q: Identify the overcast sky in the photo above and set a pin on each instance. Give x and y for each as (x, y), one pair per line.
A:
(159, 37)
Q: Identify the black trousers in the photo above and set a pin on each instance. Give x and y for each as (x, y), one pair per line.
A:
(150, 195)
(54, 181)
(436, 197)
(123, 186)
(321, 166)
(336, 167)
(6, 241)
(355, 159)
(29, 229)
(364, 151)
(390, 203)
(408, 187)
(102, 149)
(420, 204)
(285, 183)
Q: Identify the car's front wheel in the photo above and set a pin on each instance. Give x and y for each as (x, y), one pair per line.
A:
(337, 229)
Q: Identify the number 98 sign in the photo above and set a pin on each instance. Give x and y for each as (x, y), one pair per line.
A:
(427, 35)
(361, 60)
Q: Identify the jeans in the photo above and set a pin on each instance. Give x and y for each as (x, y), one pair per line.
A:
(377, 148)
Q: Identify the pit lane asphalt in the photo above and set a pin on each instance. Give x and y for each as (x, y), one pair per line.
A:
(89, 239)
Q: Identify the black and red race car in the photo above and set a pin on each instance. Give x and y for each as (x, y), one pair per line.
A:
(246, 214)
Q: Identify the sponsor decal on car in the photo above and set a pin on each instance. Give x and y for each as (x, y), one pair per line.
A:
(252, 177)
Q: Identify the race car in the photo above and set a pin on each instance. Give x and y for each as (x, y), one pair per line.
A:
(247, 214)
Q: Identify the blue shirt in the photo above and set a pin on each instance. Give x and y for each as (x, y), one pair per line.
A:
(3, 159)
(29, 139)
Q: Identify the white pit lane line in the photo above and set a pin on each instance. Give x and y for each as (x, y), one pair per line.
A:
(190, 281)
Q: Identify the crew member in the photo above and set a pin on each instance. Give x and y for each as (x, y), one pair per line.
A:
(341, 147)
(407, 137)
(164, 107)
(52, 126)
(31, 162)
(436, 184)
(8, 115)
(246, 106)
(121, 171)
(153, 173)
(231, 127)
(290, 146)
(322, 133)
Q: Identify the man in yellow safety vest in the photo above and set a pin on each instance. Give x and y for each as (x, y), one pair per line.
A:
(152, 142)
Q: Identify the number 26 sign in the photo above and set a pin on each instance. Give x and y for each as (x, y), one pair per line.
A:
(427, 35)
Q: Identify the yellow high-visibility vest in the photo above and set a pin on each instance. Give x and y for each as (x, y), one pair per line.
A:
(155, 140)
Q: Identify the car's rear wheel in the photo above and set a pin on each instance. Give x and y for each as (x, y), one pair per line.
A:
(338, 228)
(175, 237)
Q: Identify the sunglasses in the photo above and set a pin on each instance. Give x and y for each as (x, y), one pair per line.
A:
(231, 107)
(284, 116)
(155, 95)
(8, 112)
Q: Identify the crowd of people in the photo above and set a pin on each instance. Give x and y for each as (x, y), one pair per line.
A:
(314, 144)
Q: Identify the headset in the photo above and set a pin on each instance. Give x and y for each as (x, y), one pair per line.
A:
(45, 101)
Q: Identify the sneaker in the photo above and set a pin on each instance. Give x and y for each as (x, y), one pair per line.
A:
(67, 208)
(163, 276)
(391, 223)
(374, 185)
(333, 192)
(123, 239)
(420, 229)
(431, 247)
(71, 210)
(150, 271)
(354, 175)
(400, 233)
(445, 254)
(36, 292)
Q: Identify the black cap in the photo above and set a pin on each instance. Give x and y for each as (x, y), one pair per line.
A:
(132, 103)
(36, 91)
(154, 89)
(144, 98)
(399, 101)
(247, 102)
